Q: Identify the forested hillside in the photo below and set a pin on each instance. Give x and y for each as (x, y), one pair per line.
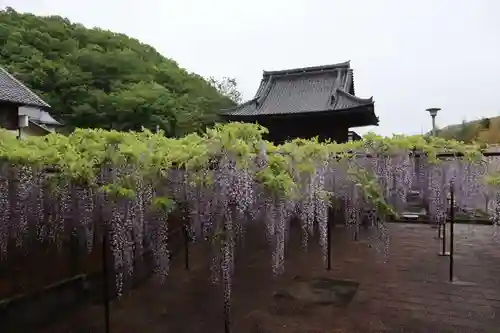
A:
(485, 130)
(97, 78)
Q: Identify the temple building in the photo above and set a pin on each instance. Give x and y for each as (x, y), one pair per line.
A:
(23, 112)
(307, 102)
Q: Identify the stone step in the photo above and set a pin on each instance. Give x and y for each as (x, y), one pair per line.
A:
(408, 216)
(415, 210)
(415, 206)
(413, 216)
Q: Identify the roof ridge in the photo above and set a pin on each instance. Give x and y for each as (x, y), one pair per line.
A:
(350, 73)
(265, 91)
(333, 91)
(23, 86)
(310, 69)
(359, 99)
(256, 99)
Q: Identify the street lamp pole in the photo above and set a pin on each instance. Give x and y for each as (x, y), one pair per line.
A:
(433, 112)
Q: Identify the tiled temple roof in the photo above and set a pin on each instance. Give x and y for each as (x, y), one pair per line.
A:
(302, 90)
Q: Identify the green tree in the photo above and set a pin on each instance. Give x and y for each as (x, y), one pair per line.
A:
(227, 87)
(97, 78)
(467, 132)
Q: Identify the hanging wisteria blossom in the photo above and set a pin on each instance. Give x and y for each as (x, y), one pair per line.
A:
(121, 189)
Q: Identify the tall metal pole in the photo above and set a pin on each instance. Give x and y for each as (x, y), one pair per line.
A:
(443, 251)
(186, 246)
(105, 288)
(452, 224)
(329, 244)
(433, 125)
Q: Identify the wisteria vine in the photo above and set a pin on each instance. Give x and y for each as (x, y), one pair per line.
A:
(126, 185)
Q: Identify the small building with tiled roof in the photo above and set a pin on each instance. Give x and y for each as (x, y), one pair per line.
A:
(307, 102)
(18, 102)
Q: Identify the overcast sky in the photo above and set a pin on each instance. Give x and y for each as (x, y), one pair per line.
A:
(408, 55)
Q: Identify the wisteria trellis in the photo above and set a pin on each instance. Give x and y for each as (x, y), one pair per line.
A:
(226, 194)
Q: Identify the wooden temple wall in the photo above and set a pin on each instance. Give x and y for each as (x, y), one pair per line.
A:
(305, 128)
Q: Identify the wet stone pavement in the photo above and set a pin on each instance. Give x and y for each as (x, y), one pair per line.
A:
(406, 291)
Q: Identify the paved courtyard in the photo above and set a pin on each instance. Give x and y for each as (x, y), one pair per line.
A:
(409, 292)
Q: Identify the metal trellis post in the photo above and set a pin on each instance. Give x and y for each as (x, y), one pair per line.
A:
(105, 288)
(329, 244)
(186, 246)
(452, 224)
